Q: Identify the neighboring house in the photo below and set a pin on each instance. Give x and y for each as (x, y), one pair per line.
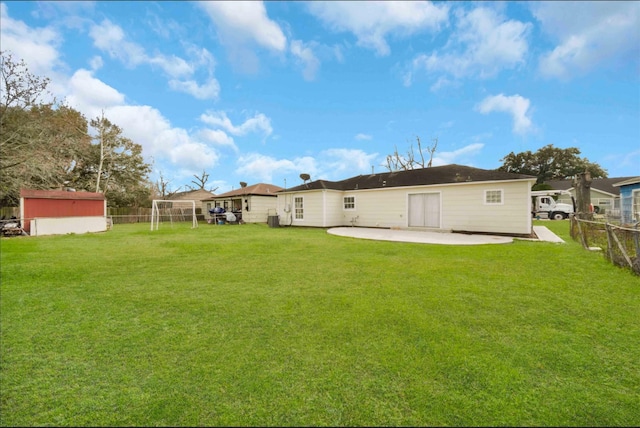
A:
(629, 200)
(447, 198)
(255, 203)
(190, 195)
(56, 212)
(604, 195)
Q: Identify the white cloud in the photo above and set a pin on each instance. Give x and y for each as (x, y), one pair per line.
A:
(332, 164)
(193, 156)
(36, 46)
(629, 160)
(262, 166)
(242, 25)
(65, 11)
(447, 124)
(362, 137)
(483, 44)
(341, 162)
(460, 156)
(590, 34)
(515, 105)
(146, 126)
(110, 38)
(374, 21)
(217, 137)
(90, 95)
(208, 90)
(306, 58)
(239, 22)
(96, 63)
(258, 123)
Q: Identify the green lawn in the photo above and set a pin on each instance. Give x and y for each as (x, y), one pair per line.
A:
(251, 325)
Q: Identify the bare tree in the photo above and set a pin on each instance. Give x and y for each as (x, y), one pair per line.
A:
(398, 162)
(163, 188)
(201, 182)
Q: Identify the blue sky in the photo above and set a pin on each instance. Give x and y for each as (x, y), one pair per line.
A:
(261, 92)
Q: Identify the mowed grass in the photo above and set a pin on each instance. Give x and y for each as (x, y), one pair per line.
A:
(251, 325)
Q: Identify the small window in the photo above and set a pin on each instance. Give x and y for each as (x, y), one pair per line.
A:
(349, 202)
(299, 207)
(493, 197)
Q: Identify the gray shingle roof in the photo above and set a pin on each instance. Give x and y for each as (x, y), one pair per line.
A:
(415, 177)
(602, 184)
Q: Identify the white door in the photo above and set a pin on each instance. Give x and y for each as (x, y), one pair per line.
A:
(424, 210)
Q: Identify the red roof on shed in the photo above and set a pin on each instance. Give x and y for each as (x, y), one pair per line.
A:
(60, 194)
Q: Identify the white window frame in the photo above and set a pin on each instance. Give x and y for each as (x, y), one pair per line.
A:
(298, 212)
(345, 203)
(491, 202)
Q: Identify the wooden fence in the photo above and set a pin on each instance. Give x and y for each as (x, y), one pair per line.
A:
(620, 245)
(143, 215)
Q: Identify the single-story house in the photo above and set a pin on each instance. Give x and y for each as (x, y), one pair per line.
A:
(190, 195)
(604, 195)
(629, 200)
(57, 212)
(254, 203)
(447, 198)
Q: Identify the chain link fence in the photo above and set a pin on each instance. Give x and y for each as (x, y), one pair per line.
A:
(620, 244)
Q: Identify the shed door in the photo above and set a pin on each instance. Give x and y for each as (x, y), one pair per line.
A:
(424, 210)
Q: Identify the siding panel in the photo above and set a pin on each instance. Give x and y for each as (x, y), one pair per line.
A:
(463, 207)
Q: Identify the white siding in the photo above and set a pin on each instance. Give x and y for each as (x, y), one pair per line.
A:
(381, 208)
(64, 225)
(463, 207)
(260, 207)
(334, 213)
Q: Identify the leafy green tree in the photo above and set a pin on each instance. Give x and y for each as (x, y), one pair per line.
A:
(551, 163)
(46, 145)
(41, 143)
(114, 165)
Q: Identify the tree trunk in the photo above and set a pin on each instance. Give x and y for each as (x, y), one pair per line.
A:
(101, 161)
(582, 185)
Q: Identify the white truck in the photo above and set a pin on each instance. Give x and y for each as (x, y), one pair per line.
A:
(543, 205)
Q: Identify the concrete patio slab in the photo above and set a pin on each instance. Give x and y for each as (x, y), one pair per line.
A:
(428, 237)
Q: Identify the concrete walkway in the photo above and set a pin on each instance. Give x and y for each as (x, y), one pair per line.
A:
(545, 234)
(428, 237)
